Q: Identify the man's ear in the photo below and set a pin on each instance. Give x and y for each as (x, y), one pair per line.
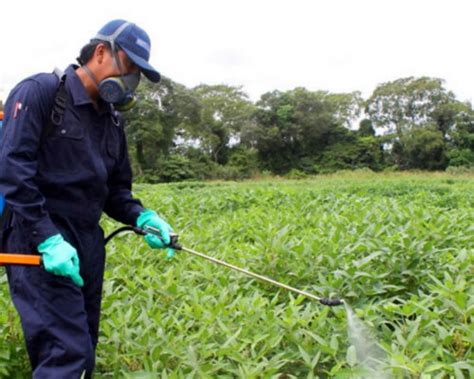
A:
(100, 52)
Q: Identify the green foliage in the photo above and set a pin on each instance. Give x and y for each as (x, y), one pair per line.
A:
(176, 168)
(13, 360)
(455, 120)
(461, 157)
(162, 113)
(398, 248)
(244, 160)
(352, 154)
(425, 121)
(461, 126)
(406, 103)
(300, 124)
(148, 135)
(419, 124)
(225, 110)
(423, 149)
(366, 129)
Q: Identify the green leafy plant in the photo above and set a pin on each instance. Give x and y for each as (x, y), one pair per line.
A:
(399, 248)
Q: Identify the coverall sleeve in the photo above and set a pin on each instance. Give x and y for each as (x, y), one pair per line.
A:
(120, 204)
(25, 115)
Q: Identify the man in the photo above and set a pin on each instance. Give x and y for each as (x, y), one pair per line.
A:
(57, 179)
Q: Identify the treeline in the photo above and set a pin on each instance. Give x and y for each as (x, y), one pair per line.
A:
(215, 132)
(207, 132)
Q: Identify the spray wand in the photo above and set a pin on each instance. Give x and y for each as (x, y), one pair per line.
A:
(23, 259)
(175, 245)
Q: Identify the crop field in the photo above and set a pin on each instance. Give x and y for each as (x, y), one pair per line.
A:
(399, 248)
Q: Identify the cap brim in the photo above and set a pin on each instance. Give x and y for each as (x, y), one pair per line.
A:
(144, 66)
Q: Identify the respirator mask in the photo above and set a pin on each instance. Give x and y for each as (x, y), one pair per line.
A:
(119, 90)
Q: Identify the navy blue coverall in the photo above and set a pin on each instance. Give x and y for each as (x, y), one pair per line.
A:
(61, 184)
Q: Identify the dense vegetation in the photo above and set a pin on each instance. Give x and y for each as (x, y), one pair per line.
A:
(215, 131)
(398, 247)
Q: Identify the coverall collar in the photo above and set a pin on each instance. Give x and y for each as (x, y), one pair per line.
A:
(79, 93)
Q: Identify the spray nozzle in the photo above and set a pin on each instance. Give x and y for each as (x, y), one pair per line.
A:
(331, 302)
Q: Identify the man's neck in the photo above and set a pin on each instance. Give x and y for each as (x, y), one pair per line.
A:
(89, 84)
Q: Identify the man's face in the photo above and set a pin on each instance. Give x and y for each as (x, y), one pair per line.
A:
(123, 65)
(108, 66)
(126, 64)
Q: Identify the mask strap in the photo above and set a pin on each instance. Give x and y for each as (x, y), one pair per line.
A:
(111, 39)
(117, 63)
(90, 75)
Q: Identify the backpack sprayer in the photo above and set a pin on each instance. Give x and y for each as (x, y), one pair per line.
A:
(35, 260)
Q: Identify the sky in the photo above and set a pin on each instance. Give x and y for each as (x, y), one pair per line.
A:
(261, 45)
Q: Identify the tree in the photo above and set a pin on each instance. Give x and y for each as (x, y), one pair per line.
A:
(145, 132)
(182, 111)
(347, 107)
(456, 122)
(401, 107)
(366, 128)
(424, 149)
(352, 152)
(293, 128)
(162, 112)
(406, 103)
(224, 111)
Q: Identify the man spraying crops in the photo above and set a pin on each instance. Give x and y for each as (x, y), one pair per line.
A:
(63, 161)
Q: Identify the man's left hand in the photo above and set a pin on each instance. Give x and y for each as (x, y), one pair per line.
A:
(150, 218)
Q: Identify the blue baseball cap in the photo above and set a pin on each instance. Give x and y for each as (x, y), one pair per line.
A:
(134, 41)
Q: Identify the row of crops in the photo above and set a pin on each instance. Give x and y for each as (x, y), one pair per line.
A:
(398, 248)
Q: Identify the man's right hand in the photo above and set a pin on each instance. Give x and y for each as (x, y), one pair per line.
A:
(60, 258)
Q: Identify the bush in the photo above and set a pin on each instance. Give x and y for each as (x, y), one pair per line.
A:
(244, 160)
(424, 149)
(176, 168)
(462, 157)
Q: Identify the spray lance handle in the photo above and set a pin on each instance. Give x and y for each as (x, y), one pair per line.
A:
(156, 232)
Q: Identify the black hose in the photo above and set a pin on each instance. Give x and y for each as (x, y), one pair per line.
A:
(173, 237)
(134, 229)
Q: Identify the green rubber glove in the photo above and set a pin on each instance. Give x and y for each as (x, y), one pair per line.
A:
(60, 258)
(150, 218)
